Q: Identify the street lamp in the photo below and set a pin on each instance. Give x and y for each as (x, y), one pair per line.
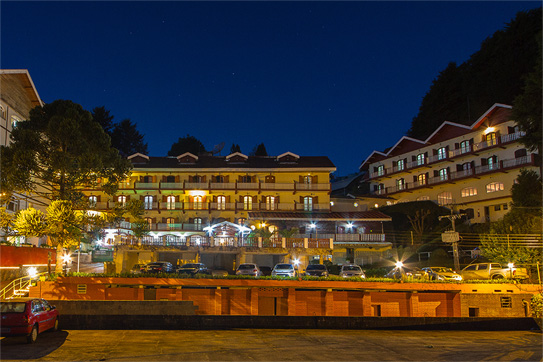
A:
(511, 266)
(314, 226)
(65, 259)
(32, 272)
(296, 262)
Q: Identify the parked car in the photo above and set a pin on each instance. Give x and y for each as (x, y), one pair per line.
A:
(266, 270)
(442, 273)
(283, 270)
(159, 267)
(27, 317)
(137, 269)
(408, 272)
(193, 269)
(248, 269)
(492, 271)
(316, 270)
(351, 270)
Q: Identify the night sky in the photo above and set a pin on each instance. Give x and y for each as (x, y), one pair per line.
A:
(336, 79)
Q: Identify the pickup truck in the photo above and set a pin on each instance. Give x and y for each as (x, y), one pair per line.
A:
(492, 271)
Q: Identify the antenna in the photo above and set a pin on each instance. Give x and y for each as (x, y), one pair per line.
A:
(217, 148)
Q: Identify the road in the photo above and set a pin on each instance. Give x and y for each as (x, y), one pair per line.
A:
(276, 345)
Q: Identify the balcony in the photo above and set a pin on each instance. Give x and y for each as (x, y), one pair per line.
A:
(460, 152)
(501, 166)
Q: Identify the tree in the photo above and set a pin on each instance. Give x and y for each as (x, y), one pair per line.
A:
(56, 151)
(187, 144)
(527, 107)
(259, 150)
(499, 250)
(527, 191)
(235, 148)
(6, 223)
(417, 223)
(139, 227)
(102, 116)
(126, 138)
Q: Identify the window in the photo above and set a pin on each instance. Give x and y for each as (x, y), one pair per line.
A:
(421, 159)
(198, 202)
(380, 170)
(492, 162)
(241, 221)
(308, 203)
(380, 189)
(442, 153)
(221, 203)
(494, 186)
(170, 179)
(423, 198)
(270, 202)
(400, 184)
(497, 207)
(491, 139)
(121, 200)
(245, 179)
(148, 202)
(197, 223)
(401, 165)
(444, 198)
(14, 121)
(147, 179)
(247, 202)
(149, 222)
(170, 202)
(505, 207)
(469, 191)
(269, 179)
(421, 179)
(464, 147)
(307, 180)
(92, 201)
(171, 222)
(466, 166)
(443, 174)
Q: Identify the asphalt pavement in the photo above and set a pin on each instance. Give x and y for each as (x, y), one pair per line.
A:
(276, 345)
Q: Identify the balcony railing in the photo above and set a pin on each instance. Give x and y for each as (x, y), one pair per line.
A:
(479, 170)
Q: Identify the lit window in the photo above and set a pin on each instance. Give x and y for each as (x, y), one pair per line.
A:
(401, 165)
(494, 186)
(198, 202)
(221, 203)
(443, 174)
(423, 198)
(444, 198)
(421, 179)
(492, 163)
(464, 147)
(400, 184)
(14, 121)
(307, 180)
(491, 139)
(148, 202)
(442, 153)
(308, 203)
(121, 200)
(270, 202)
(149, 222)
(469, 191)
(92, 201)
(171, 222)
(247, 202)
(420, 159)
(170, 202)
(380, 170)
(198, 223)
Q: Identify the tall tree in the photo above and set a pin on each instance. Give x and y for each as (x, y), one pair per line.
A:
(526, 192)
(259, 150)
(235, 148)
(187, 144)
(56, 151)
(102, 116)
(126, 138)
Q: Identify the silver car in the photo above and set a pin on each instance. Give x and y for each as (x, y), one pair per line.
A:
(442, 273)
(248, 269)
(283, 270)
(351, 270)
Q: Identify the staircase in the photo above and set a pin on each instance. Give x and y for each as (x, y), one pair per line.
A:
(19, 287)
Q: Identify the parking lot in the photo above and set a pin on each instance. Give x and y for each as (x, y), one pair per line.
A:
(276, 345)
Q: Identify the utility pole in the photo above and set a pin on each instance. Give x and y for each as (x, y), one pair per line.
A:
(452, 237)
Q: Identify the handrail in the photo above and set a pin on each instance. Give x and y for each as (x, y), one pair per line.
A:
(23, 282)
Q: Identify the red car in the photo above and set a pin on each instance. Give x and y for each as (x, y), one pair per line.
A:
(27, 317)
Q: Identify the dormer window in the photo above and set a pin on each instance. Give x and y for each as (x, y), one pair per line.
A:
(138, 158)
(236, 157)
(287, 157)
(187, 158)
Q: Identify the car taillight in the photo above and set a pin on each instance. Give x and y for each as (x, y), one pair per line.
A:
(159, 268)
(254, 270)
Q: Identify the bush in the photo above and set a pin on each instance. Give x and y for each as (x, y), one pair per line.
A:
(537, 305)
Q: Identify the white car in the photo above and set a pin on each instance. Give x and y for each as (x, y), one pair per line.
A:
(351, 270)
(249, 269)
(283, 270)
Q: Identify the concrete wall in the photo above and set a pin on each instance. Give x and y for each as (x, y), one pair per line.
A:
(115, 307)
(299, 298)
(15, 255)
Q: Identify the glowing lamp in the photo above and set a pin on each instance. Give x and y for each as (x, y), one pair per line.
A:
(32, 272)
(511, 265)
(296, 262)
(399, 264)
(489, 130)
(66, 258)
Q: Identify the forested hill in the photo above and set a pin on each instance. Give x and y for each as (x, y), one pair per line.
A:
(494, 74)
